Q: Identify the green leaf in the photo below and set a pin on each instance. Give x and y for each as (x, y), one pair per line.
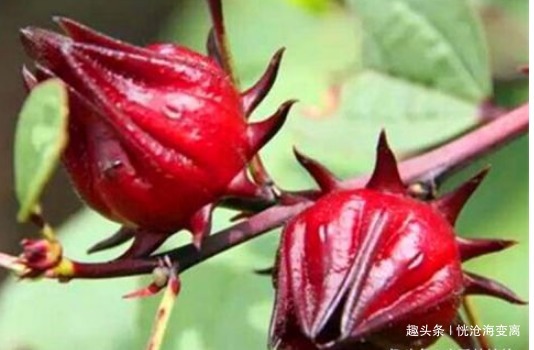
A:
(506, 28)
(413, 116)
(40, 139)
(314, 6)
(517, 7)
(425, 73)
(436, 43)
(316, 48)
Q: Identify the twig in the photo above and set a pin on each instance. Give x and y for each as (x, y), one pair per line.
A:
(257, 168)
(221, 40)
(459, 153)
(439, 162)
(188, 256)
(474, 320)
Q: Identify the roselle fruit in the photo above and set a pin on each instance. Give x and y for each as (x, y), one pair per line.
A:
(157, 134)
(360, 265)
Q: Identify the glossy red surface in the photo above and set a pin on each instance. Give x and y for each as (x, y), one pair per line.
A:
(156, 133)
(364, 263)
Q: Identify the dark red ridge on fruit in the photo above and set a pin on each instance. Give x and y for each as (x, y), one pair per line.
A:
(158, 134)
(358, 266)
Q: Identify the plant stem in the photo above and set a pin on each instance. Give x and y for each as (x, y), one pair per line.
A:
(188, 256)
(441, 161)
(472, 317)
(259, 172)
(217, 19)
(255, 226)
(461, 152)
(257, 169)
(457, 154)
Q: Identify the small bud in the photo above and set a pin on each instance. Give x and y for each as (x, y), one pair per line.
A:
(41, 254)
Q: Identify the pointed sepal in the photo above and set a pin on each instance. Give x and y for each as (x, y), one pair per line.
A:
(29, 79)
(478, 285)
(242, 215)
(144, 244)
(213, 49)
(451, 204)
(242, 186)
(120, 237)
(84, 34)
(266, 271)
(253, 96)
(472, 248)
(327, 181)
(145, 292)
(261, 132)
(200, 224)
(385, 175)
(43, 73)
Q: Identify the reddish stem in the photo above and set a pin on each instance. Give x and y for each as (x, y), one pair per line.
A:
(458, 153)
(217, 18)
(438, 162)
(188, 256)
(257, 169)
(115, 268)
(255, 226)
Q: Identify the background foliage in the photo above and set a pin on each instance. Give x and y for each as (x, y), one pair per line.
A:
(420, 69)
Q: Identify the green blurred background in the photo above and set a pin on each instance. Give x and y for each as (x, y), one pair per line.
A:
(420, 69)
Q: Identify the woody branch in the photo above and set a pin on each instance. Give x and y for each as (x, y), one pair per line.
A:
(439, 162)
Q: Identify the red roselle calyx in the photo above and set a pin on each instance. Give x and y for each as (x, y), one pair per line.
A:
(157, 134)
(359, 266)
